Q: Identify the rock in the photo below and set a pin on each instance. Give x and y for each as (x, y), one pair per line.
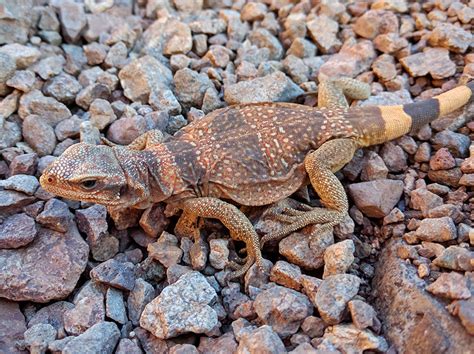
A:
(153, 220)
(54, 315)
(88, 311)
(191, 87)
(219, 253)
(7, 67)
(405, 295)
(349, 339)
(165, 250)
(63, 87)
(183, 349)
(115, 306)
(262, 38)
(363, 315)
(117, 56)
(12, 326)
(271, 88)
(95, 53)
(332, 309)
(455, 258)
(56, 216)
(126, 129)
(351, 60)
(114, 273)
(100, 338)
(313, 327)
(188, 6)
(422, 199)
(39, 135)
(12, 202)
(24, 56)
(17, 231)
(208, 26)
(26, 277)
(10, 133)
(448, 177)
(283, 309)
(442, 160)
(304, 348)
(164, 100)
(38, 337)
(50, 110)
(73, 20)
(68, 128)
(456, 143)
(323, 30)
(49, 67)
(261, 340)
(142, 76)
(220, 345)
(21, 183)
(376, 198)
(451, 37)
(436, 230)
(127, 346)
(101, 113)
(149, 342)
(142, 294)
(434, 61)
(286, 274)
(181, 307)
(302, 48)
(87, 95)
(338, 258)
(375, 22)
(24, 164)
(451, 285)
(93, 222)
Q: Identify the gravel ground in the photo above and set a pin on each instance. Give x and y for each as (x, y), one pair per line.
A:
(396, 275)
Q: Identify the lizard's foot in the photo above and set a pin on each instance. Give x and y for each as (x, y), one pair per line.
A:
(240, 270)
(297, 219)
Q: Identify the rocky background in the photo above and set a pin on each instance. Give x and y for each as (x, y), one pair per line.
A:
(395, 275)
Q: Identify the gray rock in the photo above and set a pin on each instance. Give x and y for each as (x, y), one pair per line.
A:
(89, 310)
(142, 76)
(17, 231)
(219, 253)
(73, 20)
(101, 113)
(142, 294)
(181, 307)
(456, 143)
(90, 93)
(12, 201)
(262, 38)
(38, 337)
(24, 56)
(56, 216)
(54, 315)
(114, 273)
(276, 87)
(261, 340)
(22, 183)
(63, 88)
(283, 309)
(100, 338)
(68, 128)
(49, 67)
(10, 133)
(191, 87)
(115, 306)
(117, 56)
(164, 100)
(12, 326)
(455, 258)
(332, 308)
(127, 346)
(35, 103)
(26, 277)
(7, 67)
(39, 135)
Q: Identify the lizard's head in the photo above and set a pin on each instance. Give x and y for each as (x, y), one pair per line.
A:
(85, 172)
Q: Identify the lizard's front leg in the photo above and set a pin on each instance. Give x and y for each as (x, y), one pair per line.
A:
(321, 166)
(240, 227)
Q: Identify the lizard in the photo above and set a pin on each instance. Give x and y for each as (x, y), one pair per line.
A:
(247, 155)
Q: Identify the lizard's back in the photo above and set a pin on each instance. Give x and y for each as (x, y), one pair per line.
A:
(253, 154)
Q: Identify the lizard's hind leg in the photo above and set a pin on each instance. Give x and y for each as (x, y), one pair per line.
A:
(321, 166)
(332, 93)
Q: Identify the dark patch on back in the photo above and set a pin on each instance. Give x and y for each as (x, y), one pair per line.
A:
(422, 112)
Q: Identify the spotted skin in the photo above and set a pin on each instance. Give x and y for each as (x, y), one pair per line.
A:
(250, 155)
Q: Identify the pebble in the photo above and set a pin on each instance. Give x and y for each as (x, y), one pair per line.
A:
(455, 258)
(283, 309)
(88, 311)
(375, 22)
(165, 250)
(191, 87)
(452, 286)
(127, 346)
(219, 253)
(17, 231)
(338, 258)
(12, 325)
(56, 216)
(456, 143)
(142, 294)
(21, 183)
(114, 273)
(38, 337)
(451, 37)
(115, 306)
(323, 30)
(24, 56)
(363, 315)
(48, 108)
(167, 315)
(347, 337)
(100, 338)
(286, 274)
(436, 230)
(54, 315)
(332, 309)
(261, 340)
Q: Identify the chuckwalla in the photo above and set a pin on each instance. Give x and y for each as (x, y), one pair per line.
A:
(252, 154)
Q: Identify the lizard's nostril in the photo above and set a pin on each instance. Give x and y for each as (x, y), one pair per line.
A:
(50, 179)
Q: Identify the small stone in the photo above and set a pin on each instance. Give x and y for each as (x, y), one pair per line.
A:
(436, 230)
(390, 43)
(286, 274)
(24, 56)
(338, 258)
(165, 250)
(115, 306)
(261, 340)
(12, 326)
(117, 56)
(191, 87)
(375, 22)
(451, 285)
(68, 128)
(313, 326)
(456, 143)
(363, 315)
(442, 160)
(153, 220)
(323, 30)
(219, 253)
(17, 231)
(348, 338)
(207, 26)
(54, 315)
(220, 345)
(38, 337)
(101, 113)
(73, 20)
(100, 338)
(56, 216)
(332, 309)
(95, 53)
(63, 88)
(455, 258)
(127, 346)
(374, 168)
(188, 6)
(88, 311)
(376, 198)
(449, 36)
(49, 67)
(142, 76)
(48, 108)
(302, 48)
(165, 100)
(304, 348)
(21, 183)
(7, 68)
(283, 309)
(271, 88)
(39, 135)
(435, 61)
(448, 177)
(424, 200)
(253, 11)
(168, 314)
(142, 294)
(114, 273)
(90, 93)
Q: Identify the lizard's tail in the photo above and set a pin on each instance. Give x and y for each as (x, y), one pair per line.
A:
(397, 121)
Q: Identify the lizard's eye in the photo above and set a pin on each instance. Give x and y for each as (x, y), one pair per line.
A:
(89, 184)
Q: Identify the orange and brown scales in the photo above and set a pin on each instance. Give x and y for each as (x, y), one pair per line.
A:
(253, 154)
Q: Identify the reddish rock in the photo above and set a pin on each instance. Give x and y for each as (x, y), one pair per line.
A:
(12, 327)
(375, 22)
(442, 160)
(450, 285)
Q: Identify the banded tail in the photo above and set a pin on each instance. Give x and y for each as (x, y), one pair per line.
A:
(392, 122)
